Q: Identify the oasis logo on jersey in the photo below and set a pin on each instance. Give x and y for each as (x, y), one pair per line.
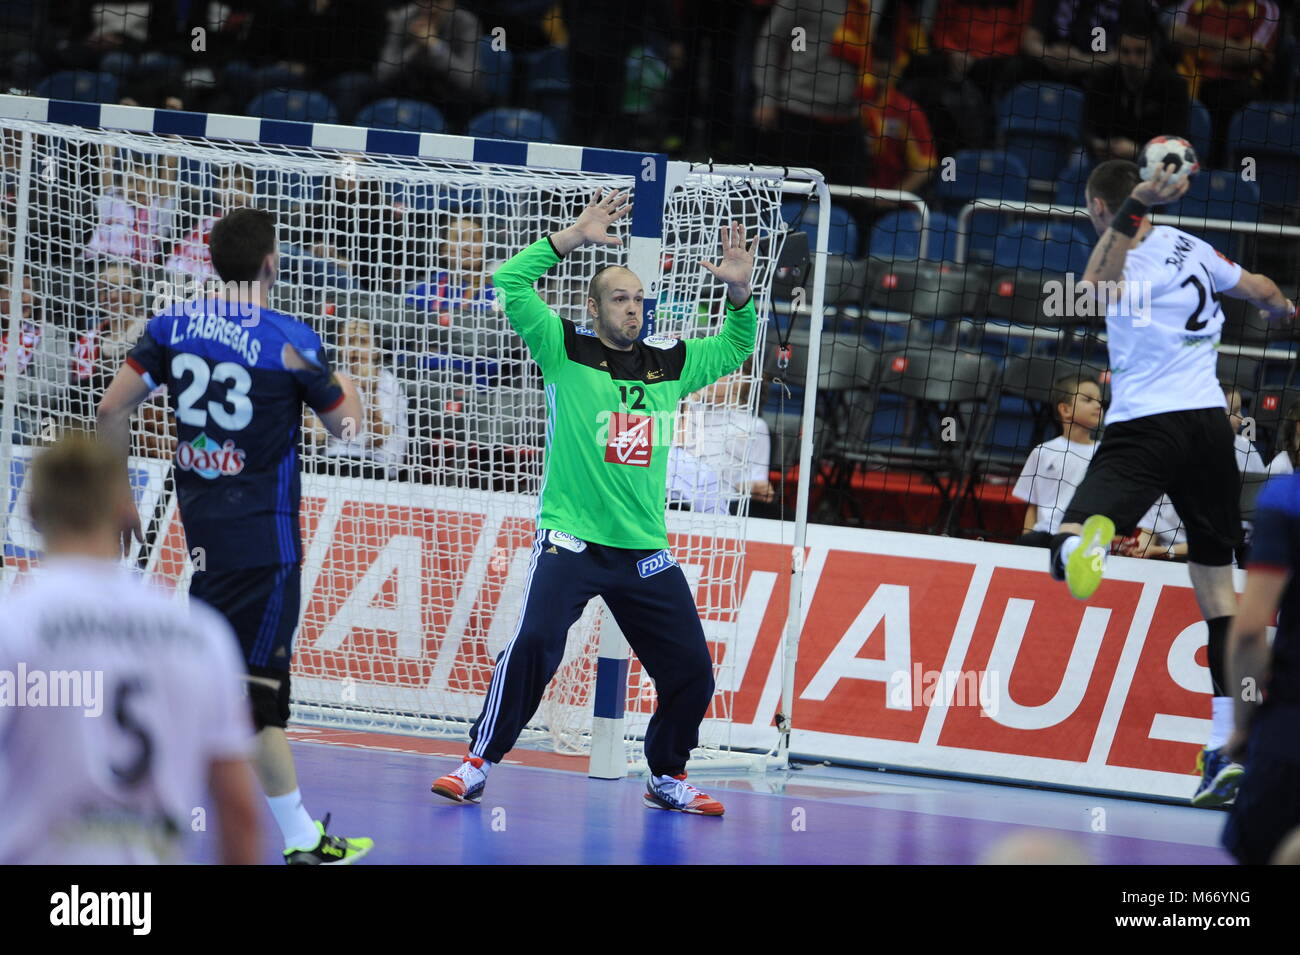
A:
(631, 438)
(655, 563)
(207, 460)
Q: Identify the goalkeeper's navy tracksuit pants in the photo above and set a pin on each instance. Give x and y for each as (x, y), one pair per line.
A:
(651, 601)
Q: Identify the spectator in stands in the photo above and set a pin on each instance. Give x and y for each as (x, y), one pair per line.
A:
(378, 448)
(1228, 48)
(807, 84)
(136, 212)
(43, 365)
(721, 452)
(431, 53)
(189, 260)
(898, 135)
(1135, 99)
(1159, 533)
(975, 46)
(1054, 469)
(121, 313)
(1066, 41)
(354, 225)
(461, 282)
(1287, 459)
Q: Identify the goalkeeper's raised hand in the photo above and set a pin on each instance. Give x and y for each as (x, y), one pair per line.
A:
(594, 223)
(737, 267)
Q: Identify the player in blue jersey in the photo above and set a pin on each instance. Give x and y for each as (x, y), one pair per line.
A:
(238, 374)
(1266, 684)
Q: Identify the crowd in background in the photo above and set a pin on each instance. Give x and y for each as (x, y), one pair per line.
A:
(872, 92)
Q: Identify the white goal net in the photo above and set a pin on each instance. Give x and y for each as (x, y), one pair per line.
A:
(415, 541)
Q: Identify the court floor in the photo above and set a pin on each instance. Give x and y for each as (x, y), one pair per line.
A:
(542, 808)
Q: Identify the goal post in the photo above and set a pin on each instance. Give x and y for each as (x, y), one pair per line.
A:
(415, 551)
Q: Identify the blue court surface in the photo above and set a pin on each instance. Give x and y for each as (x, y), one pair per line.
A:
(820, 815)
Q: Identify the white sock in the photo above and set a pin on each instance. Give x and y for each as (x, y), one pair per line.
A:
(1067, 548)
(482, 769)
(1220, 722)
(295, 822)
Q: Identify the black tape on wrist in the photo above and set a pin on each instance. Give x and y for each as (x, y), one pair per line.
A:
(1129, 218)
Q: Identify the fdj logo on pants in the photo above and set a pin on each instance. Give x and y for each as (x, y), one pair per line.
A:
(631, 438)
(655, 563)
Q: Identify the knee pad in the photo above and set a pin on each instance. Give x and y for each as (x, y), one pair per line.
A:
(269, 705)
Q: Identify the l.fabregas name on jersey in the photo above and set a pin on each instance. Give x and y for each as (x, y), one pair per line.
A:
(220, 329)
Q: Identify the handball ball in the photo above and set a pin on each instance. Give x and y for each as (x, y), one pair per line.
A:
(1168, 151)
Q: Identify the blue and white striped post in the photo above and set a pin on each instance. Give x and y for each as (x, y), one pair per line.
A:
(608, 748)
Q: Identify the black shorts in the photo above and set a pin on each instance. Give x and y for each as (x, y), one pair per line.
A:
(1188, 455)
(261, 604)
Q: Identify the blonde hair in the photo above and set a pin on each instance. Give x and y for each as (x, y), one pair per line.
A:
(76, 485)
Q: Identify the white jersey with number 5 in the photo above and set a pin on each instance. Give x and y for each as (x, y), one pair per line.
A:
(114, 701)
(1163, 356)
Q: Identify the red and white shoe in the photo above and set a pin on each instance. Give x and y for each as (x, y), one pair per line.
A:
(675, 793)
(465, 784)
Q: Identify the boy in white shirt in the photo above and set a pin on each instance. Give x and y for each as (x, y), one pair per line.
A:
(1054, 469)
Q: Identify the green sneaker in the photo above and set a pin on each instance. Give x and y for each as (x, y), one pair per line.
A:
(331, 850)
(1084, 569)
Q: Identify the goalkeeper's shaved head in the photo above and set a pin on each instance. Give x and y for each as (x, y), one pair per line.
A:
(600, 281)
(615, 298)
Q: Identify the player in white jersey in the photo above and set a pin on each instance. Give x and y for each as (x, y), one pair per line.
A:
(121, 710)
(1168, 432)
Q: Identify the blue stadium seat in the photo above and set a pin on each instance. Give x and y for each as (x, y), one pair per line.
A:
(154, 63)
(1040, 123)
(119, 63)
(349, 90)
(1071, 185)
(1043, 245)
(843, 236)
(276, 76)
(1220, 194)
(1270, 133)
(525, 125)
(983, 174)
(306, 106)
(498, 69)
(548, 86)
(239, 77)
(1198, 118)
(897, 235)
(547, 70)
(406, 114)
(81, 86)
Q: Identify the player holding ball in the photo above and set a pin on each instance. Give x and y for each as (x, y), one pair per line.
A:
(1167, 432)
(610, 401)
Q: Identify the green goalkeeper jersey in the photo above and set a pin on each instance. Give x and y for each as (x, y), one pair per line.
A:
(610, 415)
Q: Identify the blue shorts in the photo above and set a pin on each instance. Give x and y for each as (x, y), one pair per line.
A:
(261, 604)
